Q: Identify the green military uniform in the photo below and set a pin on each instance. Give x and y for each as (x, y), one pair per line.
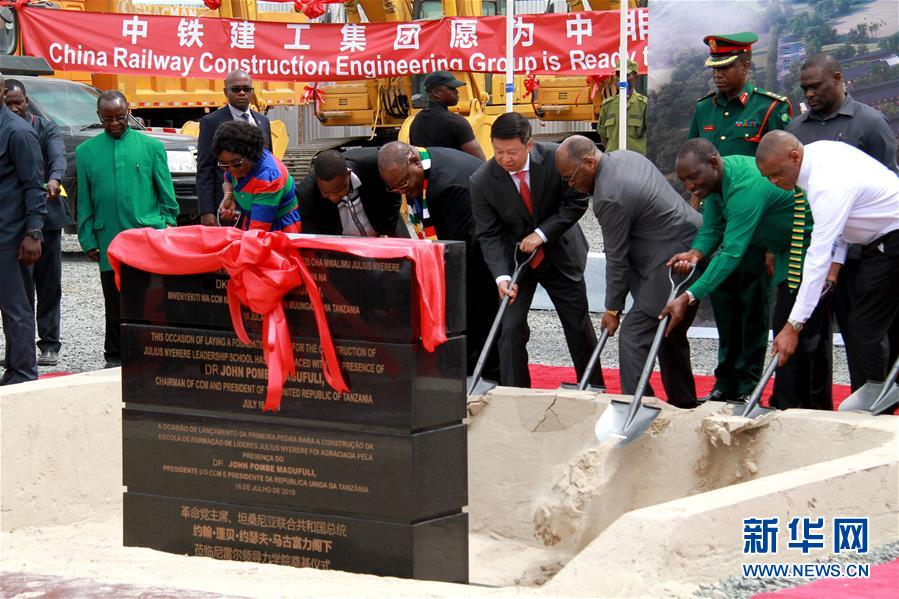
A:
(123, 184)
(741, 303)
(607, 122)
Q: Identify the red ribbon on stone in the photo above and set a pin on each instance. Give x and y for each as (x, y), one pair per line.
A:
(263, 267)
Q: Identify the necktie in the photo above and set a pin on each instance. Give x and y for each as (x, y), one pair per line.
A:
(245, 116)
(525, 191)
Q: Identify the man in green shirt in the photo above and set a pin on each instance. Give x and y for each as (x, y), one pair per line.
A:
(733, 119)
(742, 210)
(123, 183)
(607, 123)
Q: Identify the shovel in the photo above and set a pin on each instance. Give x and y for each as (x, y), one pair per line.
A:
(874, 398)
(477, 385)
(627, 421)
(585, 385)
(752, 409)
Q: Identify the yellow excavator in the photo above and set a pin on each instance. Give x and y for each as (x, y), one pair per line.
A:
(388, 105)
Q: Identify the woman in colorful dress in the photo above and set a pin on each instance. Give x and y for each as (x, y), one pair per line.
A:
(256, 183)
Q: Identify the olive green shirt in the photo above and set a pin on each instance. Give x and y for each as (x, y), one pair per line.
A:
(749, 210)
(737, 125)
(607, 123)
(123, 183)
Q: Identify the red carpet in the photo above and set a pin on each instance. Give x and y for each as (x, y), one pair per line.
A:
(549, 377)
(51, 375)
(883, 583)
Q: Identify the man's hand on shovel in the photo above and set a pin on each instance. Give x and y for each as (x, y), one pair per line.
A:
(676, 309)
(785, 344)
(505, 290)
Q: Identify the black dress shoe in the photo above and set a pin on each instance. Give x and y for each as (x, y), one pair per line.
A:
(715, 395)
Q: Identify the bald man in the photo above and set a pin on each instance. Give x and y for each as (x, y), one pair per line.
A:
(853, 199)
(239, 92)
(644, 222)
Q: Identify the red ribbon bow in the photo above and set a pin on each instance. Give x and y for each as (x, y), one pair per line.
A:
(264, 266)
(213, 4)
(531, 85)
(312, 93)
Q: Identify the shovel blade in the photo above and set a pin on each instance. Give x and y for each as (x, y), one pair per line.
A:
(569, 386)
(862, 399)
(613, 423)
(483, 386)
(886, 402)
(755, 412)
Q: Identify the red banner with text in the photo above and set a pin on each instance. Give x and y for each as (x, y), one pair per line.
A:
(578, 43)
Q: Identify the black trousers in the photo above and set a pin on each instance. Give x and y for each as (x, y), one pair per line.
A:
(112, 299)
(875, 305)
(18, 320)
(806, 380)
(46, 282)
(635, 338)
(570, 300)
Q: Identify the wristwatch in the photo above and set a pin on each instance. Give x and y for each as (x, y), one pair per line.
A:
(797, 326)
(691, 299)
(613, 312)
(35, 234)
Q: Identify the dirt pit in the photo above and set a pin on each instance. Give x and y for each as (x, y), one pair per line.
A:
(552, 512)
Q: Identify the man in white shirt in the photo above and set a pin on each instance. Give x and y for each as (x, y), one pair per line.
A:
(854, 199)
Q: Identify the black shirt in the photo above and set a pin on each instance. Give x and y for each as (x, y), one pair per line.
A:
(853, 123)
(435, 126)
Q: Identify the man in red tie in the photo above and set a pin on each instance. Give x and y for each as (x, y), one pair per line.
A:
(520, 202)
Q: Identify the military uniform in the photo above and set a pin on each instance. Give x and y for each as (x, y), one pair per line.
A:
(607, 123)
(741, 303)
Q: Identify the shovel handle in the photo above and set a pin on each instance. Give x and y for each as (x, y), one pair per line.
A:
(594, 358)
(637, 402)
(491, 336)
(757, 392)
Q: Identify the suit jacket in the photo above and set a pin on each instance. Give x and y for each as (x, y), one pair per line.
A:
(322, 216)
(209, 175)
(644, 222)
(502, 220)
(53, 150)
(449, 197)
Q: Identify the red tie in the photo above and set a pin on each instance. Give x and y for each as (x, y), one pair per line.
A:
(525, 191)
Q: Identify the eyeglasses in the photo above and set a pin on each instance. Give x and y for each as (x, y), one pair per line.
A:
(236, 163)
(122, 118)
(568, 179)
(247, 89)
(399, 187)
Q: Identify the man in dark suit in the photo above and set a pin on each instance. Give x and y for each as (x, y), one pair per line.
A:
(344, 195)
(239, 91)
(644, 221)
(47, 275)
(520, 202)
(22, 211)
(434, 184)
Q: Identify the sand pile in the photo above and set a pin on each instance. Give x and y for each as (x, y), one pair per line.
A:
(552, 512)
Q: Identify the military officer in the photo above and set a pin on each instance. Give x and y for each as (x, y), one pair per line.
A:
(607, 123)
(734, 118)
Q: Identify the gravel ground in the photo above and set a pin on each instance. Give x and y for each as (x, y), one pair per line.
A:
(82, 322)
(744, 588)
